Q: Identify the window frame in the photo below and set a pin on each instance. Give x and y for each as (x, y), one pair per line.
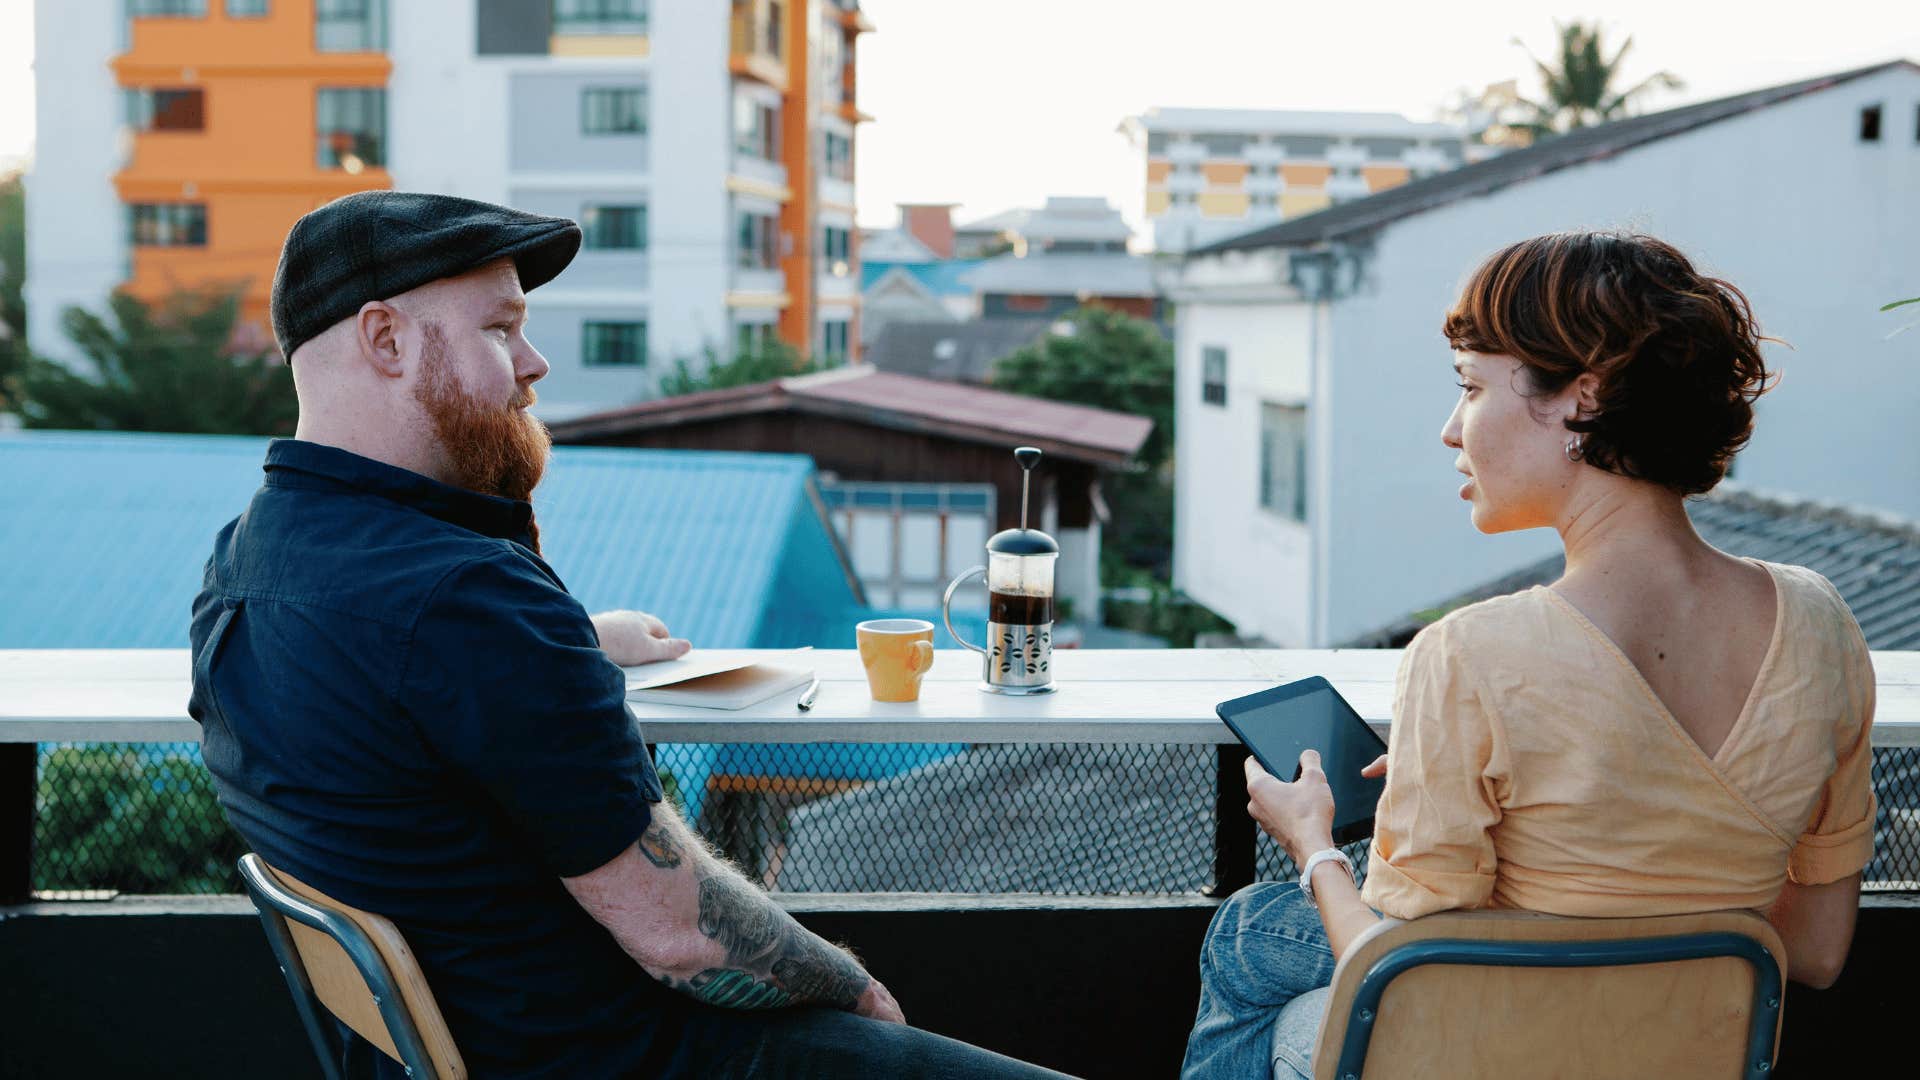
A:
(164, 218)
(1296, 486)
(262, 9)
(323, 146)
(1872, 122)
(608, 18)
(762, 244)
(143, 108)
(595, 340)
(603, 223)
(1213, 391)
(612, 96)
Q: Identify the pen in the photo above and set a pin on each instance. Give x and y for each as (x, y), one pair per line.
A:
(807, 695)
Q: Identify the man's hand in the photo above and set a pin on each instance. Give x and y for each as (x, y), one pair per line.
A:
(635, 637)
(878, 1004)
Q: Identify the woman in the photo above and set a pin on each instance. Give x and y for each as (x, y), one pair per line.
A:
(1665, 729)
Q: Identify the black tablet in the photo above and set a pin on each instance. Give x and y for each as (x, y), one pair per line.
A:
(1277, 724)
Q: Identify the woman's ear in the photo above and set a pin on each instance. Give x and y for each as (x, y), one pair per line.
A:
(1586, 402)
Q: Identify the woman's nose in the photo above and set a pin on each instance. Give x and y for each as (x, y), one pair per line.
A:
(1450, 434)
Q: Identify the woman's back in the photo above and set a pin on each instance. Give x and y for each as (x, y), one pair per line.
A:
(1533, 765)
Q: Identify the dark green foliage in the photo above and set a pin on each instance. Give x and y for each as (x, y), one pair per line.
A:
(165, 370)
(140, 818)
(776, 361)
(13, 275)
(1113, 361)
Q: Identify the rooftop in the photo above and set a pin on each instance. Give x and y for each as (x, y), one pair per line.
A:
(951, 351)
(1579, 147)
(1289, 122)
(1072, 274)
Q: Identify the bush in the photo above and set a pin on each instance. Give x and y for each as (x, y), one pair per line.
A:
(140, 818)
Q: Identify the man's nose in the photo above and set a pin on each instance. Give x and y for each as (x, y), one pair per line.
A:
(533, 367)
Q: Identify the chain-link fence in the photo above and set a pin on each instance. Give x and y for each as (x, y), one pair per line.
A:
(1059, 819)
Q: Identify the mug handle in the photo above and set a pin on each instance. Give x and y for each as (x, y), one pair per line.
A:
(946, 608)
(922, 657)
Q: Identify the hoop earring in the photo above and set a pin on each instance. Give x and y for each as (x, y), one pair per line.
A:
(1576, 448)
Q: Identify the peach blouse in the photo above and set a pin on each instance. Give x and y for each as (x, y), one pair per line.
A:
(1531, 766)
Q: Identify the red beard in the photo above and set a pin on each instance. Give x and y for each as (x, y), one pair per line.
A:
(494, 451)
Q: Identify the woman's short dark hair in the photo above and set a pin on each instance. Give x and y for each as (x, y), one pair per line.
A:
(1676, 353)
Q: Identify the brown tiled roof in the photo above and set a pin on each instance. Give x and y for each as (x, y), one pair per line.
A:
(903, 402)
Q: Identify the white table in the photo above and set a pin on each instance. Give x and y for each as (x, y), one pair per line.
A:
(1117, 696)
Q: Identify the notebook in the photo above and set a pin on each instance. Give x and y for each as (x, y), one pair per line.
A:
(718, 679)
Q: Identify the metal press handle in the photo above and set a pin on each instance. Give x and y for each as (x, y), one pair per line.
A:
(946, 608)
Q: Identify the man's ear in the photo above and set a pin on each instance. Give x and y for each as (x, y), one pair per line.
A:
(376, 335)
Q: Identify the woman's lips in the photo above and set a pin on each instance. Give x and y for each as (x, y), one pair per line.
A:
(1466, 488)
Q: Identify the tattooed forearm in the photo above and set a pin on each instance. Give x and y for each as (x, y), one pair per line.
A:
(732, 990)
(659, 846)
(766, 947)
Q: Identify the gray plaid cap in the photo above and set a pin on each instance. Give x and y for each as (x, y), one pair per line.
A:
(373, 245)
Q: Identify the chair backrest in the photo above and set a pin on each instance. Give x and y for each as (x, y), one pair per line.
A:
(1509, 993)
(357, 966)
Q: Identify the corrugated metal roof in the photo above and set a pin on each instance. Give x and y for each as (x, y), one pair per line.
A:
(103, 538)
(951, 351)
(1595, 143)
(1072, 274)
(941, 278)
(1874, 560)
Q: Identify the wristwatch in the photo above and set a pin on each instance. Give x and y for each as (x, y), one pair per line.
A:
(1332, 854)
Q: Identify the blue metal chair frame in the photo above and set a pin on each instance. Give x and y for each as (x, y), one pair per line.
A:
(1766, 983)
(276, 905)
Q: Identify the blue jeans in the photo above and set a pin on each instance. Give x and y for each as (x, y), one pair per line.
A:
(1264, 970)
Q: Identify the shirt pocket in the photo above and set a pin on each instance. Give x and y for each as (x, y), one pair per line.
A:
(204, 660)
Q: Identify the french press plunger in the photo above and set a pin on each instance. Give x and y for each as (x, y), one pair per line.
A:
(1018, 657)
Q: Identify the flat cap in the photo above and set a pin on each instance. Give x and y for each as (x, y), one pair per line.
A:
(373, 245)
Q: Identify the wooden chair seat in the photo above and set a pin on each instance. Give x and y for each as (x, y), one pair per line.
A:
(1512, 993)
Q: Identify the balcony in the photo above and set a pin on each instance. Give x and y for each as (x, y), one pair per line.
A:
(1079, 869)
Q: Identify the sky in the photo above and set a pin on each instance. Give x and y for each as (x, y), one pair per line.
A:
(999, 103)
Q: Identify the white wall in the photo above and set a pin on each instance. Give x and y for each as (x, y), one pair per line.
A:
(691, 219)
(1250, 566)
(1818, 229)
(76, 229)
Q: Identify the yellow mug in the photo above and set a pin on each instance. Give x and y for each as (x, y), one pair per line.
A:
(896, 653)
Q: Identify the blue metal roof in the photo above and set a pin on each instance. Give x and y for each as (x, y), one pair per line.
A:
(944, 278)
(103, 538)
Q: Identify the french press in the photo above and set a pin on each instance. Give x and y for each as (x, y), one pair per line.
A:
(1018, 657)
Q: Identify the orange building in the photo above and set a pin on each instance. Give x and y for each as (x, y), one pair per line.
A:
(227, 141)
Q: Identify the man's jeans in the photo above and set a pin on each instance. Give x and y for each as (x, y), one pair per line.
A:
(1264, 971)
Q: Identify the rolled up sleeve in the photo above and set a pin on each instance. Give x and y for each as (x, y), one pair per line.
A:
(1839, 841)
(1432, 847)
(506, 681)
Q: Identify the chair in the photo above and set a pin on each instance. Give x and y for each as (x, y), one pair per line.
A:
(359, 968)
(1511, 993)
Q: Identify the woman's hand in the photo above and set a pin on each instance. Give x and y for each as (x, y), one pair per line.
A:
(1298, 815)
(1378, 768)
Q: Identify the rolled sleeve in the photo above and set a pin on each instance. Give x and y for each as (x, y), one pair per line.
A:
(506, 681)
(1432, 846)
(1839, 841)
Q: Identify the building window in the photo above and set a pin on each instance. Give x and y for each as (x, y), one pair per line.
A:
(756, 234)
(349, 25)
(178, 9)
(1870, 124)
(756, 128)
(167, 225)
(614, 228)
(352, 128)
(613, 344)
(599, 16)
(166, 110)
(752, 339)
(836, 249)
(833, 341)
(246, 9)
(1213, 375)
(775, 24)
(839, 156)
(1283, 460)
(613, 110)
(1916, 125)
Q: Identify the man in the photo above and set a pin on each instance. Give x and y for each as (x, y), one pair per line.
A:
(402, 706)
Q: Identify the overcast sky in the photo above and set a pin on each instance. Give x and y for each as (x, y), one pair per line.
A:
(998, 103)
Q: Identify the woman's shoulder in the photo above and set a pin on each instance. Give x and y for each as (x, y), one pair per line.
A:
(1812, 604)
(1500, 625)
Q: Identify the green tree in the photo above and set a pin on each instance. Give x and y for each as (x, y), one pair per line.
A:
(776, 360)
(1112, 361)
(13, 275)
(170, 369)
(1582, 84)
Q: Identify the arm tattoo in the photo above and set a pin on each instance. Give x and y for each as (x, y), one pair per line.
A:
(659, 846)
(772, 960)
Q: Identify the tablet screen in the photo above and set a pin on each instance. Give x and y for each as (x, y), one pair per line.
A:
(1278, 724)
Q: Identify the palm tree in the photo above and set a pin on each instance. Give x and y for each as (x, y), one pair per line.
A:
(1580, 89)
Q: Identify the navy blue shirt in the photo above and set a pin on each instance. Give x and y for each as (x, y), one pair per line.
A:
(402, 706)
